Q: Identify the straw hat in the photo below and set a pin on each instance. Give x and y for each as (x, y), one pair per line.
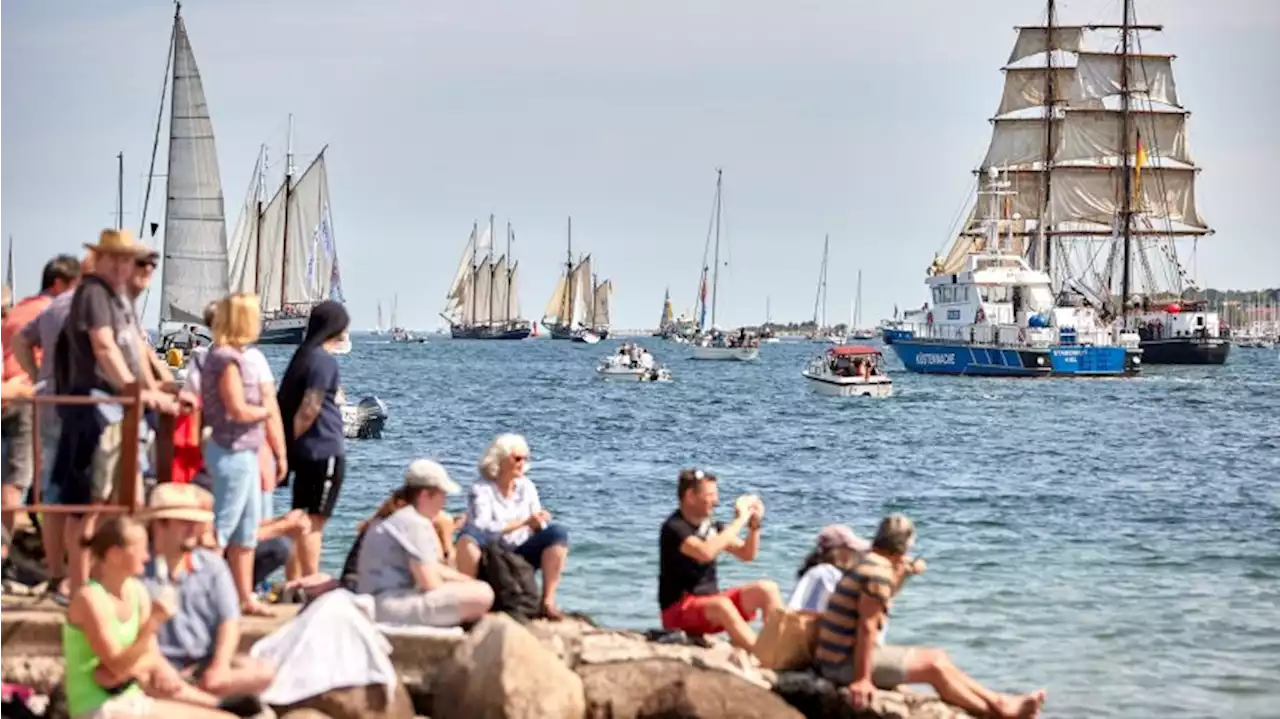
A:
(119, 242)
(183, 502)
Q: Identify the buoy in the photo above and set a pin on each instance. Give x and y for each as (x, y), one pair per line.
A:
(173, 357)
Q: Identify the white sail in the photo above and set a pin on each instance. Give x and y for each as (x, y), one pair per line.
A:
(195, 228)
(244, 240)
(582, 292)
(271, 240)
(457, 307)
(1034, 40)
(1099, 75)
(555, 305)
(513, 292)
(602, 301)
(483, 274)
(1095, 136)
(500, 308)
(312, 253)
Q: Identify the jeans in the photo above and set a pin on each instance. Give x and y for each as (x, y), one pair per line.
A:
(549, 536)
(237, 494)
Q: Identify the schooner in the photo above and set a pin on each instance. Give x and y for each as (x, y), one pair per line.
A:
(283, 248)
(483, 301)
(1091, 134)
(580, 302)
(194, 269)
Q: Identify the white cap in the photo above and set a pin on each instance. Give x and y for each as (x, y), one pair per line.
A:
(426, 474)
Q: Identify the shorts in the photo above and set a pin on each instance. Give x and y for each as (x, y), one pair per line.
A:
(436, 608)
(270, 556)
(687, 613)
(316, 484)
(50, 429)
(237, 494)
(18, 433)
(888, 667)
(82, 428)
(531, 551)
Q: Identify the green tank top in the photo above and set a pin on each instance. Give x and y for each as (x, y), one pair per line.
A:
(84, 695)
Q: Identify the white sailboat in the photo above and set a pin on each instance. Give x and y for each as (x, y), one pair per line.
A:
(378, 328)
(856, 330)
(821, 332)
(283, 248)
(716, 345)
(194, 265)
(579, 306)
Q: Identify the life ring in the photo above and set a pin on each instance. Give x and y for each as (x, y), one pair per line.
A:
(929, 317)
(980, 317)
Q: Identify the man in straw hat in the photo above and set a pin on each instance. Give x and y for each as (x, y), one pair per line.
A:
(848, 652)
(98, 352)
(201, 639)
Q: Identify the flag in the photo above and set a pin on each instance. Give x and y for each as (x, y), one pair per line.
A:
(702, 297)
(1140, 159)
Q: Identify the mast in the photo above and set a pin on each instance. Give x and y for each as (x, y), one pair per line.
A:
(257, 235)
(288, 190)
(120, 191)
(1050, 112)
(474, 273)
(566, 314)
(492, 267)
(857, 305)
(715, 277)
(1126, 202)
(511, 273)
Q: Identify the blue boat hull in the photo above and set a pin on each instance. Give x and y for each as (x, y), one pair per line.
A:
(282, 336)
(950, 357)
(890, 335)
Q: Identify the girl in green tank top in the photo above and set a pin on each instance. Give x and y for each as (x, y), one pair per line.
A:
(107, 638)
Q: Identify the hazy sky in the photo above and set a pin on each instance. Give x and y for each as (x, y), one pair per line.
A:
(861, 118)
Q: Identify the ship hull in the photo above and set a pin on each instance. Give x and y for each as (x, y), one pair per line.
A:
(506, 332)
(1186, 350)
(561, 332)
(891, 335)
(958, 358)
(283, 331)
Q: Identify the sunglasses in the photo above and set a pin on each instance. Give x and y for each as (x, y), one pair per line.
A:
(148, 264)
(519, 458)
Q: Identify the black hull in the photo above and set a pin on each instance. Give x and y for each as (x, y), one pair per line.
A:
(1185, 350)
(490, 333)
(560, 332)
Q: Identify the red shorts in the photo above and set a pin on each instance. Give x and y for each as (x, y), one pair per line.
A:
(688, 616)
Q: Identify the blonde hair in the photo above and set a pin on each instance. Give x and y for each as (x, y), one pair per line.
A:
(503, 446)
(238, 320)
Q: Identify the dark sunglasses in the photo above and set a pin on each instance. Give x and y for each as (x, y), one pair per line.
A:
(144, 263)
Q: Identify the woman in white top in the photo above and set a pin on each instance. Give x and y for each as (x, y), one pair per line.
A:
(503, 505)
(837, 550)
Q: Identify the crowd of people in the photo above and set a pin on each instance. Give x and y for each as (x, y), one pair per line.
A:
(155, 601)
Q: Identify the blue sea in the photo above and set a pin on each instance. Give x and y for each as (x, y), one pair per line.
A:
(1116, 541)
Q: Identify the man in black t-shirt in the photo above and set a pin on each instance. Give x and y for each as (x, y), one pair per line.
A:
(688, 590)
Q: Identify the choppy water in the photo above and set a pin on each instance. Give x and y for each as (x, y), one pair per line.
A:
(1116, 541)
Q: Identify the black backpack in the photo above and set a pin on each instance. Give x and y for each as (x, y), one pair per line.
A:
(515, 588)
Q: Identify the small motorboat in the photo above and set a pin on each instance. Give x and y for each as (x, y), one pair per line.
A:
(365, 419)
(399, 334)
(849, 371)
(741, 346)
(634, 363)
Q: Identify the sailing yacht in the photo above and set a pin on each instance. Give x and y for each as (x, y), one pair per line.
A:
(856, 330)
(398, 333)
(579, 306)
(194, 250)
(378, 328)
(822, 333)
(483, 301)
(714, 344)
(283, 248)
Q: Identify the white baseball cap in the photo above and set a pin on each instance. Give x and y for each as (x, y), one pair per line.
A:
(426, 474)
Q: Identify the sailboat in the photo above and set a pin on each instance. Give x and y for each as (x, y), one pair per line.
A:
(483, 301)
(283, 248)
(378, 327)
(821, 332)
(767, 333)
(711, 343)
(579, 305)
(856, 330)
(194, 268)
(398, 333)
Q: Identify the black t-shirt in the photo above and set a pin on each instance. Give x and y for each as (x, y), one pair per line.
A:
(679, 574)
(94, 305)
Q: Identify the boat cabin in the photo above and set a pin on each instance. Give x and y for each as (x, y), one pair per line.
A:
(854, 361)
(1174, 320)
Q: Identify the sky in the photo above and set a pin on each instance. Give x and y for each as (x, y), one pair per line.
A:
(858, 118)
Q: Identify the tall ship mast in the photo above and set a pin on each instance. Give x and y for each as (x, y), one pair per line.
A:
(580, 303)
(483, 302)
(1091, 135)
(284, 249)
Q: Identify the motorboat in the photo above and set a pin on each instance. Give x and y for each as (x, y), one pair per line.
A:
(742, 347)
(634, 363)
(365, 419)
(849, 371)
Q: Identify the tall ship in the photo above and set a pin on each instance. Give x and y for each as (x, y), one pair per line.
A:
(194, 245)
(676, 329)
(484, 300)
(579, 306)
(283, 248)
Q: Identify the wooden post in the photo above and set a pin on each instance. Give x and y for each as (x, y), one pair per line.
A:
(127, 482)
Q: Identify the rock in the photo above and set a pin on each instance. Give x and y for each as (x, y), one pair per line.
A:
(659, 688)
(817, 698)
(40, 673)
(607, 647)
(367, 702)
(503, 672)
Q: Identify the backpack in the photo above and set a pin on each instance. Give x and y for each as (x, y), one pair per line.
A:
(515, 589)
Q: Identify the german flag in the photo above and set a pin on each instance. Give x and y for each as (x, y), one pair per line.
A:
(1140, 159)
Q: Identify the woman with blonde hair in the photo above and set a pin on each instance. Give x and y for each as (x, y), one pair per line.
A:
(503, 505)
(234, 410)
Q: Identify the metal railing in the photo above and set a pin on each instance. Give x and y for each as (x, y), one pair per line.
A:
(127, 488)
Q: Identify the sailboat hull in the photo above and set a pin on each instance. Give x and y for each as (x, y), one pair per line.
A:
(1186, 350)
(499, 332)
(283, 331)
(957, 358)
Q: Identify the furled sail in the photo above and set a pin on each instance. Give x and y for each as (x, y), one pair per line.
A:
(603, 298)
(195, 229)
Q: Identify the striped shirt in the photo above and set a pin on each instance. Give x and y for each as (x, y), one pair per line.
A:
(838, 628)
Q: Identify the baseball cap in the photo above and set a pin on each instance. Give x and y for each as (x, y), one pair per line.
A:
(839, 536)
(426, 474)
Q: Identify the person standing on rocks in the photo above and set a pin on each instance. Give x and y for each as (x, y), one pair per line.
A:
(848, 652)
(689, 545)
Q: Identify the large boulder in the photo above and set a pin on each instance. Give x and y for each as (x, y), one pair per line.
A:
(817, 698)
(502, 671)
(659, 688)
(366, 702)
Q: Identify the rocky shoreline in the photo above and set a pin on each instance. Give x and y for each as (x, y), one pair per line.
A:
(504, 670)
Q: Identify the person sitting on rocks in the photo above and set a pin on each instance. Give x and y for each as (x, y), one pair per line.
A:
(503, 505)
(399, 560)
(837, 551)
(689, 544)
(202, 638)
(848, 652)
